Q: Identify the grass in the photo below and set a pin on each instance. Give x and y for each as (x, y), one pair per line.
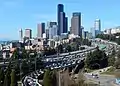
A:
(110, 71)
(89, 70)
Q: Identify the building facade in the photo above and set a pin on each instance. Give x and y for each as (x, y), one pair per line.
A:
(21, 34)
(60, 12)
(52, 31)
(40, 30)
(62, 20)
(76, 24)
(28, 33)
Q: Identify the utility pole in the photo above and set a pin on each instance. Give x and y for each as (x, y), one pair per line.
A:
(59, 79)
(35, 63)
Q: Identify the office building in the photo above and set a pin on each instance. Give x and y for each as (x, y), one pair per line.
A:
(61, 20)
(97, 24)
(50, 24)
(52, 27)
(76, 24)
(82, 28)
(93, 32)
(52, 31)
(65, 30)
(28, 33)
(40, 30)
(60, 9)
(47, 33)
(21, 34)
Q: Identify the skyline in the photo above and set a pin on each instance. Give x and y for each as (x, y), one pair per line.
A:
(16, 14)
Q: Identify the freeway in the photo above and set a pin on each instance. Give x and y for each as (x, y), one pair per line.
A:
(73, 58)
(57, 62)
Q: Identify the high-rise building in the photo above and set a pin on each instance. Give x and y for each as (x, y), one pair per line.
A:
(51, 27)
(65, 30)
(61, 20)
(21, 34)
(50, 24)
(47, 33)
(28, 33)
(76, 24)
(97, 27)
(93, 32)
(97, 24)
(82, 28)
(40, 30)
(52, 31)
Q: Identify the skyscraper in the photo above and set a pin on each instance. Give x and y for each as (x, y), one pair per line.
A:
(62, 22)
(82, 28)
(97, 27)
(93, 32)
(47, 33)
(76, 24)
(40, 30)
(21, 34)
(50, 24)
(52, 31)
(97, 24)
(28, 33)
(61, 19)
(65, 30)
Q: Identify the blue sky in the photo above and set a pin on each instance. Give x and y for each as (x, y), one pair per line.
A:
(16, 14)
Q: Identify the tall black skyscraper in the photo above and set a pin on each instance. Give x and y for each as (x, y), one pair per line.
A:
(60, 18)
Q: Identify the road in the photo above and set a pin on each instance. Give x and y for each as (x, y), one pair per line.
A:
(105, 80)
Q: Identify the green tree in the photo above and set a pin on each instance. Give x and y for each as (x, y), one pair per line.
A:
(13, 78)
(117, 63)
(68, 48)
(1, 77)
(7, 79)
(15, 54)
(96, 60)
(47, 80)
(54, 77)
(25, 68)
(111, 61)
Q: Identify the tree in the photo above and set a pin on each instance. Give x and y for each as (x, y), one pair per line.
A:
(1, 77)
(13, 79)
(47, 80)
(24, 68)
(7, 79)
(96, 60)
(111, 61)
(68, 48)
(54, 78)
(50, 78)
(117, 63)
